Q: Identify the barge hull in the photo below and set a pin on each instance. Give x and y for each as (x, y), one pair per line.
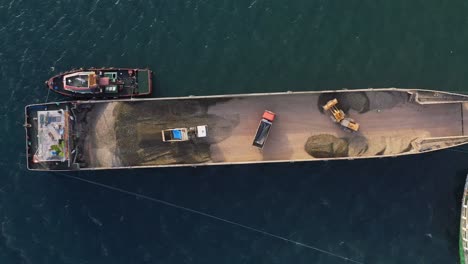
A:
(127, 133)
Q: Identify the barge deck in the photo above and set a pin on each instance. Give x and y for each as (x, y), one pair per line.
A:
(127, 133)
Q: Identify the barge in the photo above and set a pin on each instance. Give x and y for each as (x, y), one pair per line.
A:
(219, 130)
(102, 83)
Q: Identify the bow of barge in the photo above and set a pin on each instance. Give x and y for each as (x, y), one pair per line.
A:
(127, 133)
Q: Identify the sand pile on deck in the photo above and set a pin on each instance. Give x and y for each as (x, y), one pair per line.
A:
(102, 147)
(362, 102)
(381, 145)
(139, 127)
(357, 101)
(357, 145)
(360, 144)
(326, 146)
(330, 146)
(386, 100)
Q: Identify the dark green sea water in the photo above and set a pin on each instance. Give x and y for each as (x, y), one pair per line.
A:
(400, 210)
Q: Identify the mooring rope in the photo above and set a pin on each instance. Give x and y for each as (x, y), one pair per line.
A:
(47, 98)
(323, 251)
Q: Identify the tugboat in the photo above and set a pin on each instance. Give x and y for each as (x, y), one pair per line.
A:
(102, 83)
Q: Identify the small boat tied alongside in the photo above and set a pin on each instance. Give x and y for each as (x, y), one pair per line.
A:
(102, 83)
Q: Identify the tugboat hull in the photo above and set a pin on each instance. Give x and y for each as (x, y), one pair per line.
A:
(102, 83)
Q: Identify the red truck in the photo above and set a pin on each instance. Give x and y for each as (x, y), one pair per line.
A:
(263, 129)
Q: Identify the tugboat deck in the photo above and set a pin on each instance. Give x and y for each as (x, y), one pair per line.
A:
(102, 83)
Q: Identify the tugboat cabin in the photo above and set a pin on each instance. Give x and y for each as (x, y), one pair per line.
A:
(84, 82)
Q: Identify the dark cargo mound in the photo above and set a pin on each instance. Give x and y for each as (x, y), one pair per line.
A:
(139, 126)
(386, 100)
(326, 146)
(329, 146)
(357, 145)
(357, 101)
